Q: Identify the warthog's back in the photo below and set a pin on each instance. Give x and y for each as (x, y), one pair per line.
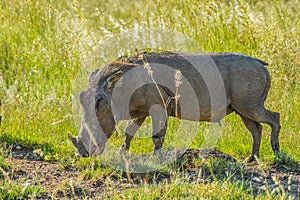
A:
(218, 80)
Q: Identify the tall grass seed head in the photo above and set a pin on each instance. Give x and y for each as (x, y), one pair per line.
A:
(178, 78)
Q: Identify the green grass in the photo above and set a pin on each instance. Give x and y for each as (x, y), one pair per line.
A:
(43, 44)
(186, 191)
(18, 191)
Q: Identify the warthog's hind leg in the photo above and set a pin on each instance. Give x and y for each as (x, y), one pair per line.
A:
(260, 114)
(275, 125)
(273, 120)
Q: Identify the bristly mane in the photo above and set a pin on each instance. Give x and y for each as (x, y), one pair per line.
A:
(99, 76)
(117, 66)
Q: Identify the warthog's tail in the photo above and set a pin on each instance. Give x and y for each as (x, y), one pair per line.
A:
(262, 62)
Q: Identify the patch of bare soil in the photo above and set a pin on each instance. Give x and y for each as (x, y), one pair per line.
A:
(276, 180)
(58, 182)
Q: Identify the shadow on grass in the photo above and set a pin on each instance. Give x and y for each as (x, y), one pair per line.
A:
(285, 162)
(210, 165)
(194, 166)
(30, 151)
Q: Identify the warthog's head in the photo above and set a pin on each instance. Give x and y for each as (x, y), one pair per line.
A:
(98, 122)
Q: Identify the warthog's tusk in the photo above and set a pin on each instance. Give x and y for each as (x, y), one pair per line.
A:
(70, 137)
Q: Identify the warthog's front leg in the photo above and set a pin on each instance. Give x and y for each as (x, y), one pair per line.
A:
(256, 130)
(158, 138)
(130, 131)
(159, 126)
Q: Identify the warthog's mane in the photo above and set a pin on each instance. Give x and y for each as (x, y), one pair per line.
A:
(120, 66)
(102, 75)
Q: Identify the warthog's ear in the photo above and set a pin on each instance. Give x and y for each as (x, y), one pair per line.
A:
(113, 79)
(93, 74)
(73, 139)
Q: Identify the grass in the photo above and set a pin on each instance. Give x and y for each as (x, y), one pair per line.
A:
(186, 191)
(18, 191)
(43, 45)
(12, 189)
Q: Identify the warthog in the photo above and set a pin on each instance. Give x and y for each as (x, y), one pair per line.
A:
(209, 87)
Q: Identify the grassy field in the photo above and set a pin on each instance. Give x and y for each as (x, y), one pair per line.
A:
(44, 43)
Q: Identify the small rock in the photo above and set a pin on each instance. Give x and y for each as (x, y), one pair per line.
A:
(294, 180)
(257, 179)
(273, 186)
(18, 147)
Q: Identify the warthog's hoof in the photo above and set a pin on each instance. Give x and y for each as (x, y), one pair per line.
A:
(157, 152)
(278, 154)
(251, 160)
(122, 151)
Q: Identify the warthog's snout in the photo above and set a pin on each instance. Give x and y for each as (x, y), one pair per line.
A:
(83, 150)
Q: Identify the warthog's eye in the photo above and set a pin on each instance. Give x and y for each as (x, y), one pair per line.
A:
(97, 104)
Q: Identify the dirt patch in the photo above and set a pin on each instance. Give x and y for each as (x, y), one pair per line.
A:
(58, 182)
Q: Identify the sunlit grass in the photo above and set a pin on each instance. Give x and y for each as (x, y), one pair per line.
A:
(43, 44)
